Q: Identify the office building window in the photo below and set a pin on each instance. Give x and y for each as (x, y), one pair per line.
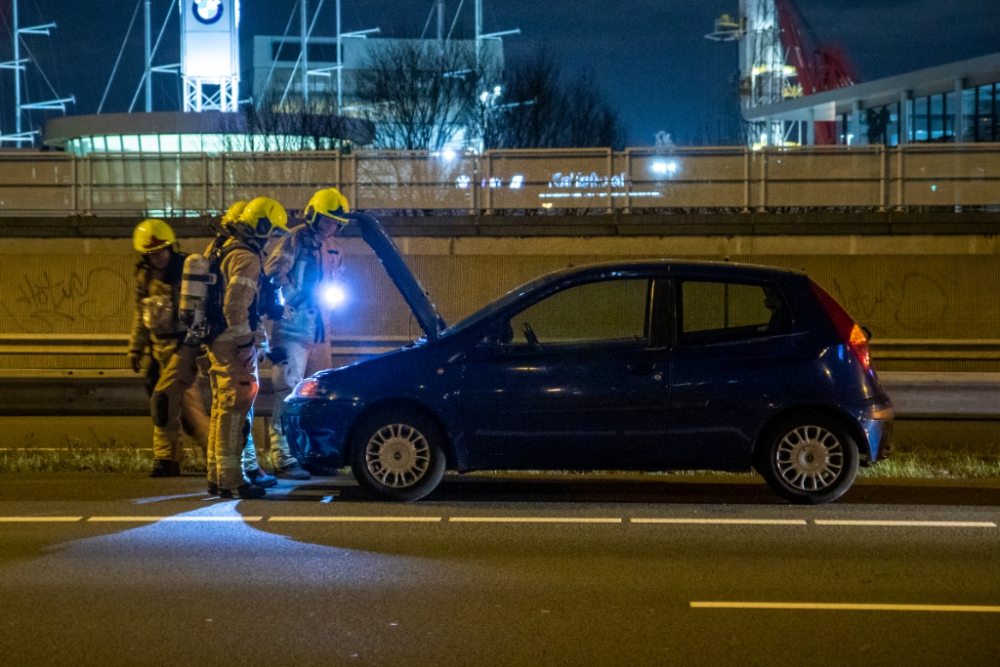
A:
(936, 113)
(984, 114)
(919, 128)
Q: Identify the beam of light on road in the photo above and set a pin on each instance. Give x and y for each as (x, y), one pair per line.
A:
(845, 606)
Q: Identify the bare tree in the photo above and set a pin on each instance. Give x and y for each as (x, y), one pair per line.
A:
(419, 94)
(536, 110)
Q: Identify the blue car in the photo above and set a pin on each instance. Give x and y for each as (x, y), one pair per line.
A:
(640, 365)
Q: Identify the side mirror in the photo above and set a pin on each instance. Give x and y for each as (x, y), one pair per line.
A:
(490, 346)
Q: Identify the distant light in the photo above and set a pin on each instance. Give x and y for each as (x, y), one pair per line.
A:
(484, 96)
(334, 295)
(448, 154)
(665, 167)
(496, 90)
(516, 182)
(463, 182)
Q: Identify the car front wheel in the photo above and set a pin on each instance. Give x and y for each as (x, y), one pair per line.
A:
(808, 459)
(398, 455)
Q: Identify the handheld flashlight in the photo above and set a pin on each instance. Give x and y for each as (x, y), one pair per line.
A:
(333, 295)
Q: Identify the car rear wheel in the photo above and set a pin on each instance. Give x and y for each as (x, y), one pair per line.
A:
(398, 454)
(808, 459)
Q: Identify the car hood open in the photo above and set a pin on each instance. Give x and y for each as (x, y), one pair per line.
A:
(409, 287)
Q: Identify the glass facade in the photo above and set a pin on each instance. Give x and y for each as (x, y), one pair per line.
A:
(933, 119)
(196, 143)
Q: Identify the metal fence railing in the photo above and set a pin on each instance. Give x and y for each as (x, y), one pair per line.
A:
(182, 184)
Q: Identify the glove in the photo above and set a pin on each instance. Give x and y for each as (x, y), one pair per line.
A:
(260, 344)
(135, 361)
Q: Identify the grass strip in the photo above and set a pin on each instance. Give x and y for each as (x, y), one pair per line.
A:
(920, 462)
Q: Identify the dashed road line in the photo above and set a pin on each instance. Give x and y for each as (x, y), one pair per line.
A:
(923, 524)
(677, 521)
(725, 522)
(358, 519)
(178, 519)
(845, 606)
(515, 519)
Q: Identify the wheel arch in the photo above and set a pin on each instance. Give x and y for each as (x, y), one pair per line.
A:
(852, 427)
(408, 403)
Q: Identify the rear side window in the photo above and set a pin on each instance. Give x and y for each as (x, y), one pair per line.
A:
(720, 311)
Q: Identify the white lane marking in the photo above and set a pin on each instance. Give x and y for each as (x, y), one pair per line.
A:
(926, 524)
(153, 519)
(761, 522)
(514, 519)
(359, 519)
(33, 519)
(844, 606)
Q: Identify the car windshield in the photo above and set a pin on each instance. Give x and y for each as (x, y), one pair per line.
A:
(511, 296)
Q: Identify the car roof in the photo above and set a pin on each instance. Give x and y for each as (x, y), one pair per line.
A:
(724, 268)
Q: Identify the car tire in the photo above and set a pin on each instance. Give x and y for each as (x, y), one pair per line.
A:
(807, 459)
(398, 454)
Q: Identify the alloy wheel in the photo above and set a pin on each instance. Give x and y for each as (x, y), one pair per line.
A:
(397, 455)
(810, 458)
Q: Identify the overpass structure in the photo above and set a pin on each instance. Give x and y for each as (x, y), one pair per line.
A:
(637, 180)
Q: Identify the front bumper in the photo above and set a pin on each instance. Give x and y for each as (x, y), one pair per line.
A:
(313, 434)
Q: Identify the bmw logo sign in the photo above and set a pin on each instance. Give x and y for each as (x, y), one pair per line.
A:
(207, 11)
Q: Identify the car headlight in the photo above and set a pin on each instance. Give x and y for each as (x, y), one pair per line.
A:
(310, 388)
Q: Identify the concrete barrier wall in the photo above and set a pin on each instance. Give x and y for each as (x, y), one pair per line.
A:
(66, 303)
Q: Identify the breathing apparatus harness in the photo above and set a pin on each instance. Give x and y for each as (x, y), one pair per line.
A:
(203, 291)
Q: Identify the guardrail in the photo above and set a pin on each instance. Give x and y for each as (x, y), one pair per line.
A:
(723, 178)
(76, 350)
(117, 391)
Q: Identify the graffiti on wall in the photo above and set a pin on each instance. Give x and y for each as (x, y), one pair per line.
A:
(47, 303)
(910, 303)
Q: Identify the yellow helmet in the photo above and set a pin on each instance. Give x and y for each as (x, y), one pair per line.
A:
(151, 235)
(329, 203)
(263, 215)
(233, 214)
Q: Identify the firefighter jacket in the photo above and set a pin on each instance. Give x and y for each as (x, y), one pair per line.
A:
(240, 269)
(154, 318)
(296, 266)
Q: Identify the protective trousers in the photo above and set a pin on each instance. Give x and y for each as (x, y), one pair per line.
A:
(176, 402)
(234, 386)
(284, 376)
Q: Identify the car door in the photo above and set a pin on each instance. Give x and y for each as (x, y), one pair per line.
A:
(556, 393)
(732, 340)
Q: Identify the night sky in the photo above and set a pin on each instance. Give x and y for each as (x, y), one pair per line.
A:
(648, 56)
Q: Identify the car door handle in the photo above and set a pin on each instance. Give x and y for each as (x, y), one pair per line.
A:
(693, 403)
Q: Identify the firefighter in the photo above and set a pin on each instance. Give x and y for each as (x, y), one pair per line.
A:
(296, 266)
(176, 403)
(250, 465)
(234, 335)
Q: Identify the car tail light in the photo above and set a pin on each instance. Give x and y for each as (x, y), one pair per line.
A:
(310, 388)
(849, 331)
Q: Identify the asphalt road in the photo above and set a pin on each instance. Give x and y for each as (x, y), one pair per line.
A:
(124, 570)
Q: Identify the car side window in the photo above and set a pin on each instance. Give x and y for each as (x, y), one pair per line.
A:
(724, 311)
(609, 310)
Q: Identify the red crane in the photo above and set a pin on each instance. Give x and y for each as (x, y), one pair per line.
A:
(819, 67)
